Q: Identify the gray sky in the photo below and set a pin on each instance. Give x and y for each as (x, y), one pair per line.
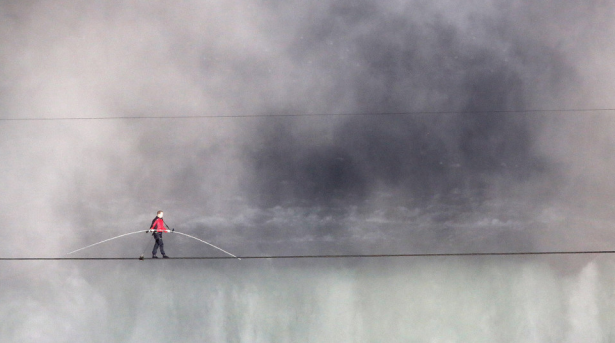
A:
(468, 180)
(114, 59)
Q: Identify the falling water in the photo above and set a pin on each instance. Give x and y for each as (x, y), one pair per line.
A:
(486, 299)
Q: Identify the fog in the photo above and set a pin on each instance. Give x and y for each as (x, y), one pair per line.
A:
(498, 300)
(289, 128)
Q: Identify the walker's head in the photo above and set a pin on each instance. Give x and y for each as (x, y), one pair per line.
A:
(159, 214)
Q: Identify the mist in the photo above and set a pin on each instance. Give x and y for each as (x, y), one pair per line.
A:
(289, 128)
(500, 300)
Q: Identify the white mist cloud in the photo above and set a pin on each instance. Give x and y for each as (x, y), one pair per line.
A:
(420, 182)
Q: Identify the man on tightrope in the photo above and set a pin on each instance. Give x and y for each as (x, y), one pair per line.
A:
(158, 227)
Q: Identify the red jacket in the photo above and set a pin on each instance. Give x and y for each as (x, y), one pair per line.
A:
(158, 225)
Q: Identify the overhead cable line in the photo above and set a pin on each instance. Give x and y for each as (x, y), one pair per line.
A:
(282, 115)
(293, 257)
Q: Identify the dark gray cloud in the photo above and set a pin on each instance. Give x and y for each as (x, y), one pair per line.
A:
(402, 64)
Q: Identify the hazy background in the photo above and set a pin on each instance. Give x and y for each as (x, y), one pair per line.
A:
(465, 172)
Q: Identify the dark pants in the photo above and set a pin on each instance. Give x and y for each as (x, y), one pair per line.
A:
(159, 243)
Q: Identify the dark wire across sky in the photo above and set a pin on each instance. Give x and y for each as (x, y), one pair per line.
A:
(278, 115)
(469, 254)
